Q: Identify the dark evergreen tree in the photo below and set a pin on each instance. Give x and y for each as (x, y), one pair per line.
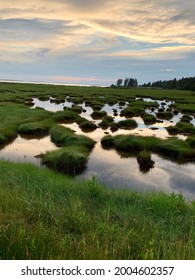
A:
(119, 82)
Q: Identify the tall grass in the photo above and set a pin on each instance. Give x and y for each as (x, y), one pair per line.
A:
(48, 216)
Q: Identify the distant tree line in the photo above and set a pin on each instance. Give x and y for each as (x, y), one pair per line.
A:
(182, 84)
(127, 82)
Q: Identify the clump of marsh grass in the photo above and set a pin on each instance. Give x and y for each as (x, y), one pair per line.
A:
(148, 119)
(66, 116)
(88, 126)
(172, 148)
(63, 136)
(127, 124)
(98, 115)
(132, 111)
(182, 127)
(71, 159)
(106, 122)
(166, 115)
(35, 128)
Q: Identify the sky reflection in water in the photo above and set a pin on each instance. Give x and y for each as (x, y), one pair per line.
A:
(108, 166)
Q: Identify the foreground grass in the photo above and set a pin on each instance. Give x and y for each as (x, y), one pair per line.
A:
(45, 215)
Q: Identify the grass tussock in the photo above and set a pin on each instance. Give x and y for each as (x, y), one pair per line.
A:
(172, 148)
(96, 115)
(71, 159)
(182, 127)
(87, 126)
(63, 136)
(149, 119)
(68, 160)
(66, 116)
(127, 124)
(35, 128)
(48, 216)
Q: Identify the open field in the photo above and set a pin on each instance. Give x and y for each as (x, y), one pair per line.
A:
(47, 215)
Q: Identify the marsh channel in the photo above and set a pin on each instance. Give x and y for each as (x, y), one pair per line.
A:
(110, 168)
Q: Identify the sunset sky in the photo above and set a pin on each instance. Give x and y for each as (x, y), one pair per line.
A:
(96, 42)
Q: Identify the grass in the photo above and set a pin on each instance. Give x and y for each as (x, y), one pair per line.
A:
(66, 116)
(132, 111)
(182, 127)
(172, 148)
(19, 118)
(96, 115)
(71, 159)
(127, 124)
(35, 128)
(149, 119)
(63, 136)
(87, 126)
(48, 216)
(165, 115)
(106, 122)
(188, 108)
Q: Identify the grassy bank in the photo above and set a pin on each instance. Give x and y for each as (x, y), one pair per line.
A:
(48, 216)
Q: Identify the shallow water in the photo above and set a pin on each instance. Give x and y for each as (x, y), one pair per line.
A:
(107, 165)
(124, 173)
(27, 150)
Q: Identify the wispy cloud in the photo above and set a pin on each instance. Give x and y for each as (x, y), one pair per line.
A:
(84, 30)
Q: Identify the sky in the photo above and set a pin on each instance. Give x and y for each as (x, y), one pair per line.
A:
(96, 42)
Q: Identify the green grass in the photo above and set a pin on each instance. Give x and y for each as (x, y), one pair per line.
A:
(106, 122)
(19, 118)
(187, 108)
(167, 115)
(66, 116)
(63, 136)
(35, 128)
(87, 126)
(48, 216)
(182, 127)
(96, 115)
(127, 124)
(132, 111)
(71, 159)
(172, 148)
(148, 119)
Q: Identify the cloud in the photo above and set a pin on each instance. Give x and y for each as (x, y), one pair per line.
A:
(83, 32)
(149, 21)
(159, 53)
